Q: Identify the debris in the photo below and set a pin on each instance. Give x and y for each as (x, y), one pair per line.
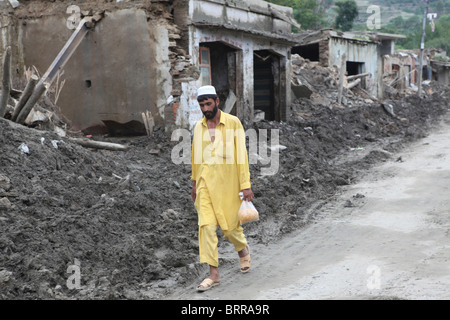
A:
(14, 3)
(353, 84)
(229, 103)
(389, 109)
(258, 115)
(149, 122)
(55, 143)
(5, 275)
(301, 91)
(5, 183)
(277, 147)
(100, 144)
(25, 96)
(24, 148)
(349, 204)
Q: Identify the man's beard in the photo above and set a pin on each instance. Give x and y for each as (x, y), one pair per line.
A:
(211, 114)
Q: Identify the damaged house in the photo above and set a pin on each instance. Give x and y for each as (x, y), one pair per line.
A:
(148, 58)
(401, 69)
(358, 53)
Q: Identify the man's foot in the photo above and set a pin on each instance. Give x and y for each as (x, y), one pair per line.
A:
(207, 284)
(244, 259)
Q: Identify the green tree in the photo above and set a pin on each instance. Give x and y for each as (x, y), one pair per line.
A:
(440, 38)
(347, 13)
(310, 14)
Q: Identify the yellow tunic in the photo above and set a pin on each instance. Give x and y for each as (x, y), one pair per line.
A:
(221, 167)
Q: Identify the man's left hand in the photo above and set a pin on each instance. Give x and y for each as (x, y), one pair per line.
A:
(248, 194)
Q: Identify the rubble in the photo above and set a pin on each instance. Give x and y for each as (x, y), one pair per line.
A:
(127, 216)
(126, 219)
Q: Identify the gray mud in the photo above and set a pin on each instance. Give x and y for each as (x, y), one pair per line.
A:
(126, 217)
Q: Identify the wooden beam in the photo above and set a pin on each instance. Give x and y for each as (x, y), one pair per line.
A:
(356, 76)
(353, 84)
(341, 77)
(100, 144)
(51, 73)
(25, 96)
(6, 82)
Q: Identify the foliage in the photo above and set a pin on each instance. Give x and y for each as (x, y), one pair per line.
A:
(347, 13)
(412, 29)
(440, 38)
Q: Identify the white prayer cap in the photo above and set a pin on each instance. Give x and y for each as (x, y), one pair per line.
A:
(206, 90)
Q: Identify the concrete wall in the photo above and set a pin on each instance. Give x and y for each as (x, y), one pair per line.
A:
(119, 70)
(407, 66)
(363, 52)
(245, 15)
(127, 64)
(244, 26)
(189, 112)
(10, 33)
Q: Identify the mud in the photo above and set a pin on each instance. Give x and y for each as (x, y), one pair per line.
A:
(126, 218)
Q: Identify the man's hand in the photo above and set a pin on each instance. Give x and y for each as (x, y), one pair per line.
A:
(248, 194)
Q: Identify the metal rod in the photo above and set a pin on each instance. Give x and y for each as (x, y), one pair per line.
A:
(422, 46)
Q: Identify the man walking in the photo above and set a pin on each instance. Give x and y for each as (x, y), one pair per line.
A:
(220, 171)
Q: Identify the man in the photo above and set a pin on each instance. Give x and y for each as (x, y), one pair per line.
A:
(220, 171)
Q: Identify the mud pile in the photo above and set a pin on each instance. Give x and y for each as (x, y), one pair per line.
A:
(125, 220)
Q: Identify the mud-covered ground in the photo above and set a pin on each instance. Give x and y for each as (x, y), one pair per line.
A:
(126, 220)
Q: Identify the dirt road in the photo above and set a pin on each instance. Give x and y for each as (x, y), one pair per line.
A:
(384, 237)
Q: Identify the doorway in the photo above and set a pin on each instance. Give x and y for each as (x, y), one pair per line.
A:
(266, 78)
(221, 66)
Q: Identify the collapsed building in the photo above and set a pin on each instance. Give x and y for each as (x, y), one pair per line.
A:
(402, 68)
(150, 56)
(354, 53)
(141, 63)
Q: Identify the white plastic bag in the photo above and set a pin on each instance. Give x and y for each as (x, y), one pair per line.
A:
(247, 212)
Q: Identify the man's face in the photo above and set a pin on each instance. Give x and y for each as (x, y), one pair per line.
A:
(209, 107)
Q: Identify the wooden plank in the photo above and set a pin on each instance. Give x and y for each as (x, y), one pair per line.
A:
(6, 82)
(51, 73)
(341, 78)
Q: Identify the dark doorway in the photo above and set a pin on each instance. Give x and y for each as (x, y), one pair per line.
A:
(310, 51)
(223, 63)
(354, 68)
(266, 83)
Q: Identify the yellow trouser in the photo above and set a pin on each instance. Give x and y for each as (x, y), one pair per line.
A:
(207, 235)
(207, 239)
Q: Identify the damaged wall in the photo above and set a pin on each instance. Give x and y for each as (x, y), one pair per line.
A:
(143, 56)
(10, 34)
(400, 69)
(240, 28)
(365, 54)
(121, 68)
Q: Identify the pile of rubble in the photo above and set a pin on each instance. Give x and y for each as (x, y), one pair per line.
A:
(321, 85)
(125, 219)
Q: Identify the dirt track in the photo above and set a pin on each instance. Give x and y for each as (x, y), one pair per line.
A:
(384, 237)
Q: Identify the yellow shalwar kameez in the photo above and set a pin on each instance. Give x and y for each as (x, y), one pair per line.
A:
(221, 171)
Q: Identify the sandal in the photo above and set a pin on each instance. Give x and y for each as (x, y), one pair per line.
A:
(207, 284)
(245, 262)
